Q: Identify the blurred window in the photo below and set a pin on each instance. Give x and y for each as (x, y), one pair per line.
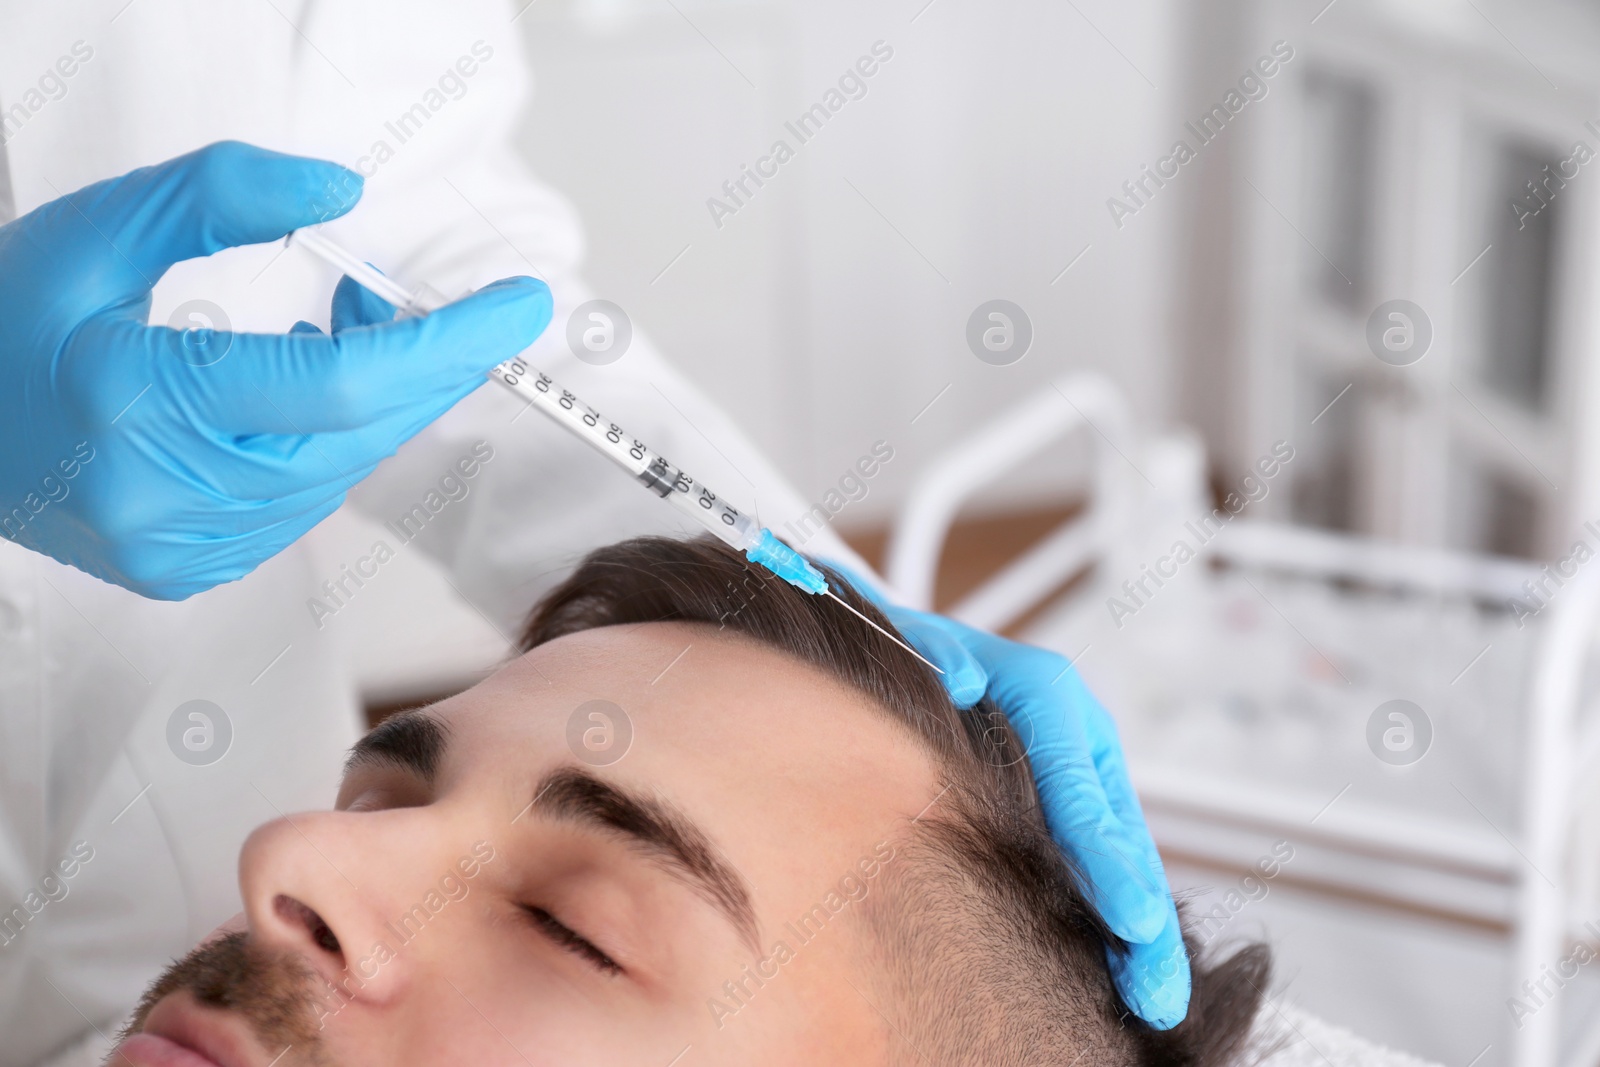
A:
(1492, 512)
(1520, 290)
(1339, 132)
(1513, 520)
(1325, 484)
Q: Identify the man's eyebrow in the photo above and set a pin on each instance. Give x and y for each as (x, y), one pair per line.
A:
(657, 829)
(412, 741)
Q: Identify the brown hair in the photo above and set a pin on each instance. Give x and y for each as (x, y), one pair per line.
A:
(985, 947)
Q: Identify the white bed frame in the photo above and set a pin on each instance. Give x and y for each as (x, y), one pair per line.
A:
(1386, 853)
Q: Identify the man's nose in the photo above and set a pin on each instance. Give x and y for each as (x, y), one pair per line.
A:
(327, 887)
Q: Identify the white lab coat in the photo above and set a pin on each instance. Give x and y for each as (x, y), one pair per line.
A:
(89, 673)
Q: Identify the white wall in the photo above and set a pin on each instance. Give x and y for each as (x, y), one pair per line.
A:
(990, 142)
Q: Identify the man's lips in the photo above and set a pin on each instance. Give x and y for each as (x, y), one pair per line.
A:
(181, 1033)
(153, 1050)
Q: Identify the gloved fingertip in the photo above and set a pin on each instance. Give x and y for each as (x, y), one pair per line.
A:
(517, 285)
(305, 327)
(528, 298)
(1166, 1009)
(962, 676)
(966, 683)
(1154, 980)
(354, 305)
(334, 187)
(1140, 920)
(859, 584)
(1129, 893)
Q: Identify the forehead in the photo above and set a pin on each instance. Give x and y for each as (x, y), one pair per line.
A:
(793, 774)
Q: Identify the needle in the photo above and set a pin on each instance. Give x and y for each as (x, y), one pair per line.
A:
(881, 630)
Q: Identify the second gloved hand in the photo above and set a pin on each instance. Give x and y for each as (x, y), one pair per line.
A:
(1089, 803)
(168, 462)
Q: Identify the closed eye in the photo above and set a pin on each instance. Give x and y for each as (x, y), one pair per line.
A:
(571, 940)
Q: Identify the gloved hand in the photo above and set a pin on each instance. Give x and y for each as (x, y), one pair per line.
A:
(1083, 783)
(169, 462)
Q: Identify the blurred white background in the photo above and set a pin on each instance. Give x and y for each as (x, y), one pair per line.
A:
(829, 311)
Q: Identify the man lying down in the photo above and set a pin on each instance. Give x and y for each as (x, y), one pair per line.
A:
(804, 855)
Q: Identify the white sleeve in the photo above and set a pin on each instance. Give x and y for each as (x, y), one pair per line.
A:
(544, 499)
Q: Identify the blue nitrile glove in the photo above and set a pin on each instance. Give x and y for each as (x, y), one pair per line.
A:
(169, 462)
(1089, 802)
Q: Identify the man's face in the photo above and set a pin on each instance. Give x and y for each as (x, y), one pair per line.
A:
(526, 903)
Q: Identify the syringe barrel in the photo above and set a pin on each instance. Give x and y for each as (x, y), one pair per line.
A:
(652, 469)
(677, 488)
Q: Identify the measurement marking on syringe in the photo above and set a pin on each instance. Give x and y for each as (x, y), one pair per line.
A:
(739, 531)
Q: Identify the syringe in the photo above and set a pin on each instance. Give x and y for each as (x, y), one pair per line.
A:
(651, 469)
